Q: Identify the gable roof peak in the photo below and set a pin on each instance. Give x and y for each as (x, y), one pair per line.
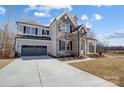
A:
(65, 11)
(69, 15)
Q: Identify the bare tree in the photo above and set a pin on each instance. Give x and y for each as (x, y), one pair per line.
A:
(7, 36)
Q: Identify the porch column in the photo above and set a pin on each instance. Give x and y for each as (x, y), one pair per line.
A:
(85, 47)
(94, 46)
(80, 50)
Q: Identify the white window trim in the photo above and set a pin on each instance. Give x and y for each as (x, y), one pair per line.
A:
(30, 31)
(45, 32)
(65, 27)
(67, 43)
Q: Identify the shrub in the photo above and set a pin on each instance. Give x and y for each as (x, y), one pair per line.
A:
(93, 55)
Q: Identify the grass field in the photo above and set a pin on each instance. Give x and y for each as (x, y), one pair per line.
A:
(4, 62)
(110, 68)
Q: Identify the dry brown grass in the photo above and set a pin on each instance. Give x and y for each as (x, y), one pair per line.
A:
(110, 68)
(4, 62)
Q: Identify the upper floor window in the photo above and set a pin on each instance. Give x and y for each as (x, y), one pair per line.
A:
(65, 27)
(34, 31)
(26, 30)
(30, 30)
(45, 32)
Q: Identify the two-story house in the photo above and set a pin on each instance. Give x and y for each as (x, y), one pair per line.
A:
(63, 37)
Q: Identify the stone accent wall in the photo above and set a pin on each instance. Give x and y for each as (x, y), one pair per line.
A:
(74, 38)
(62, 35)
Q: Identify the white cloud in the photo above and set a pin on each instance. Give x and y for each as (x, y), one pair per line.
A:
(97, 16)
(34, 7)
(2, 10)
(84, 17)
(90, 22)
(41, 14)
(117, 34)
(43, 10)
(98, 5)
(59, 7)
(103, 5)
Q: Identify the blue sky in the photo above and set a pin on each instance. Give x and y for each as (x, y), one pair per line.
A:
(106, 21)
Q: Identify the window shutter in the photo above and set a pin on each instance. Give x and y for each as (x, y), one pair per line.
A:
(36, 31)
(42, 31)
(47, 32)
(59, 44)
(70, 45)
(24, 29)
(71, 28)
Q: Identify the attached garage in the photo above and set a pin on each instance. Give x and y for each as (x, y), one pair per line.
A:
(33, 50)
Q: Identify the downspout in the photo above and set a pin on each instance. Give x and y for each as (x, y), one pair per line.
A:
(15, 42)
(78, 45)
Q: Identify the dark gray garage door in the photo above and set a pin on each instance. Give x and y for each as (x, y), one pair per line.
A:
(31, 50)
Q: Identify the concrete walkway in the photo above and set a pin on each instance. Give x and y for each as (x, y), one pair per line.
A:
(79, 60)
(47, 72)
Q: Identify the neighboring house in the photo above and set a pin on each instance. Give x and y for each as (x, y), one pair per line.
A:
(62, 38)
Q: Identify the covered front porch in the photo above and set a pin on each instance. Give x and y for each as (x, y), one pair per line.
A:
(87, 46)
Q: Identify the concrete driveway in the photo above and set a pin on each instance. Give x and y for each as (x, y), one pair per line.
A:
(47, 72)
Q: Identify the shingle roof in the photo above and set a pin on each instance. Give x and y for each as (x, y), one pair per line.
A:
(32, 24)
(77, 28)
(33, 37)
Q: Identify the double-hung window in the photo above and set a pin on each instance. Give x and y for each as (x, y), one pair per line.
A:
(28, 30)
(33, 30)
(45, 32)
(65, 27)
(65, 45)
